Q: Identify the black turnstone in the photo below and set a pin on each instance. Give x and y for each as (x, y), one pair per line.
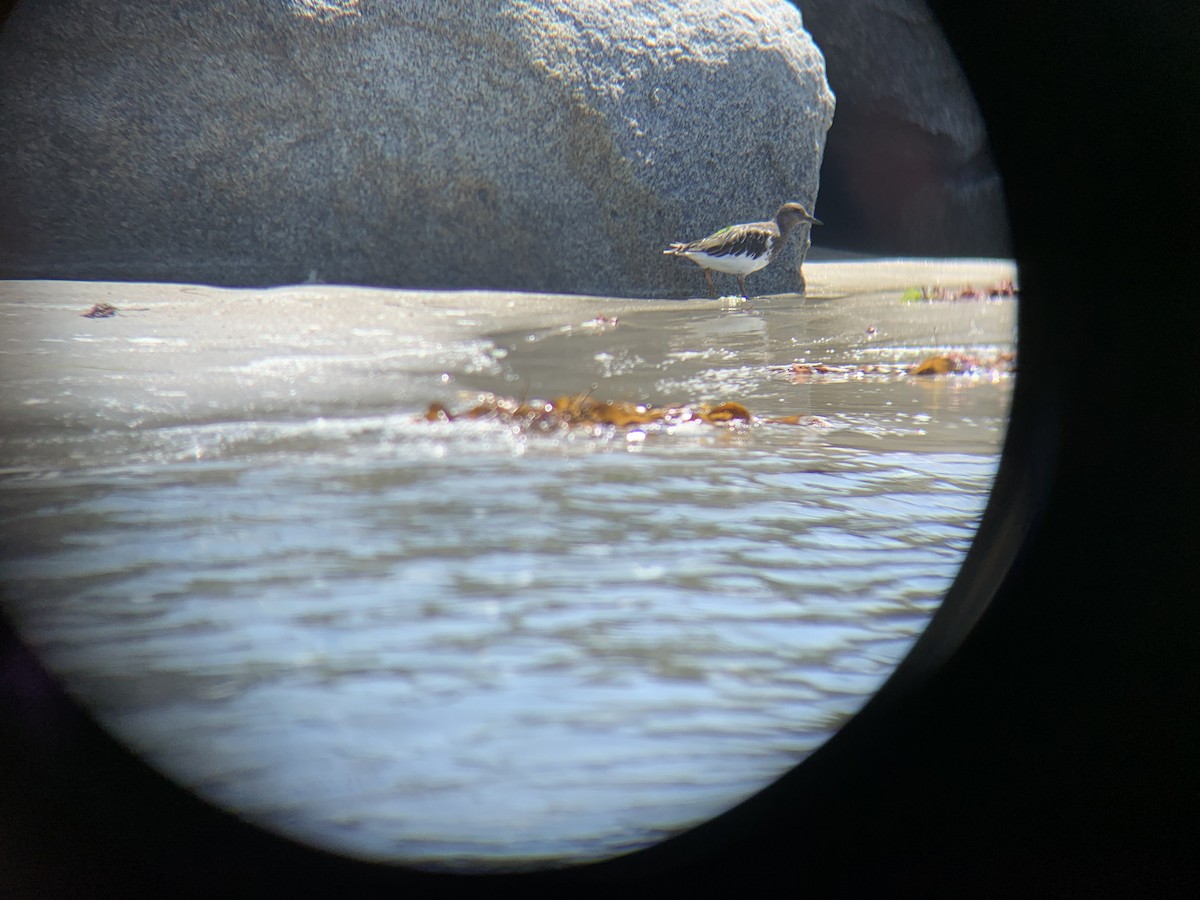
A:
(742, 249)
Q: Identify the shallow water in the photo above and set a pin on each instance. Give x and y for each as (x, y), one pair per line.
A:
(451, 643)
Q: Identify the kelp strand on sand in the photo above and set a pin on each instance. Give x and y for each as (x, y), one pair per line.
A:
(949, 363)
(1004, 290)
(583, 411)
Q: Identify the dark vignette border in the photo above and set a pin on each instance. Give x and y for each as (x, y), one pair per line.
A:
(1042, 738)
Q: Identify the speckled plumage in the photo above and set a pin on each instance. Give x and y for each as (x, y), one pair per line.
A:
(742, 249)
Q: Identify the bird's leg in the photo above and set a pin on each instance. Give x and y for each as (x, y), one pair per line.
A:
(712, 291)
(742, 287)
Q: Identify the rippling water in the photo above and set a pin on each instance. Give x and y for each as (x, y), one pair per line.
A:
(454, 642)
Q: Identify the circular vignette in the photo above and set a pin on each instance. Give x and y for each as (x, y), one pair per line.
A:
(112, 784)
(814, 828)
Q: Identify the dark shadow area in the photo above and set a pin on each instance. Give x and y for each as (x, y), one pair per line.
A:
(907, 169)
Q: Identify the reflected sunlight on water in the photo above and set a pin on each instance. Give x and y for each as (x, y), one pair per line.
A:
(439, 642)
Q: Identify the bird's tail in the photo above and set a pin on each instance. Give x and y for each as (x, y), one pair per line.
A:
(676, 249)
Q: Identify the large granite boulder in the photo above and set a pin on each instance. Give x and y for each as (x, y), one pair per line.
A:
(907, 168)
(548, 146)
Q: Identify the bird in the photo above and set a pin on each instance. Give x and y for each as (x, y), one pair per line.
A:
(742, 249)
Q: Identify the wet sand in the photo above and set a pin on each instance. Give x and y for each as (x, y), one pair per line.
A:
(177, 353)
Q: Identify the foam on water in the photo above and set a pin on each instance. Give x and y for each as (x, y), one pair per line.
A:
(459, 643)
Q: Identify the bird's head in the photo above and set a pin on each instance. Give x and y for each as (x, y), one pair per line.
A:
(792, 214)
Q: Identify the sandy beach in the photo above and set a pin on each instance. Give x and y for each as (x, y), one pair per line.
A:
(175, 352)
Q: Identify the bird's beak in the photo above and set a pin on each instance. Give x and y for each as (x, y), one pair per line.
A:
(813, 220)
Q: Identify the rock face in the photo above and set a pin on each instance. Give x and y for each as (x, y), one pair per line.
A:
(548, 146)
(907, 168)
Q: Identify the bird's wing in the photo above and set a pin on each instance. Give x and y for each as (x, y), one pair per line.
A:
(739, 240)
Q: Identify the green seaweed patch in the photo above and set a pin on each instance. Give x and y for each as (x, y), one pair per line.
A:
(1004, 290)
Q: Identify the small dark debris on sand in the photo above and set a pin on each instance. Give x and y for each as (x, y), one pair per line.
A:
(107, 311)
(101, 311)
